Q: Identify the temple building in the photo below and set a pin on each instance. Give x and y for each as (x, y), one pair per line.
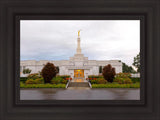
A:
(77, 66)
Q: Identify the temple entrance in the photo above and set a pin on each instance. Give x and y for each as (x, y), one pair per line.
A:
(78, 73)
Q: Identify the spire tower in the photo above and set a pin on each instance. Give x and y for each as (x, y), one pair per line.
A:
(78, 43)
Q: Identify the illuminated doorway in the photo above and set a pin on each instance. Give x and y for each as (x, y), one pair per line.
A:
(78, 73)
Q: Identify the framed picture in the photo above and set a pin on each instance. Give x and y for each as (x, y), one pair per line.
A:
(47, 70)
(79, 60)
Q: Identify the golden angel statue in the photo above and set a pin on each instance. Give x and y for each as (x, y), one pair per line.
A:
(78, 32)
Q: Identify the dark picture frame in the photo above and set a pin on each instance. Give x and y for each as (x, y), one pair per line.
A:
(12, 11)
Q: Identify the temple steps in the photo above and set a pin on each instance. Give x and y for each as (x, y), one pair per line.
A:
(78, 84)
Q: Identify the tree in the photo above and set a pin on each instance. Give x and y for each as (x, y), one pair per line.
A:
(48, 72)
(127, 69)
(57, 68)
(26, 71)
(136, 62)
(109, 73)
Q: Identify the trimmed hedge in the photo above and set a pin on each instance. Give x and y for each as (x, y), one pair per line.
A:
(42, 85)
(23, 79)
(134, 80)
(110, 85)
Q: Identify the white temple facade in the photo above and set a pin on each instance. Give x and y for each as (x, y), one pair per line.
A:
(76, 66)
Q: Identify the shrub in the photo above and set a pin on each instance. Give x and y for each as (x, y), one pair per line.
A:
(134, 80)
(67, 78)
(55, 82)
(39, 81)
(108, 73)
(48, 72)
(33, 76)
(64, 76)
(58, 80)
(125, 80)
(94, 77)
(23, 79)
(94, 81)
(64, 81)
(30, 81)
(99, 81)
(26, 71)
(123, 75)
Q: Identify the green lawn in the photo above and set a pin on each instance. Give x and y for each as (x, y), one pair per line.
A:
(108, 85)
(42, 85)
(116, 85)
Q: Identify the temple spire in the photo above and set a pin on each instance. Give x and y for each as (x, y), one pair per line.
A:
(78, 43)
(78, 33)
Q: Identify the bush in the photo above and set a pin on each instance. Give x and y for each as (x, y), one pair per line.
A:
(23, 79)
(102, 81)
(64, 76)
(55, 81)
(123, 75)
(94, 77)
(108, 73)
(123, 78)
(58, 80)
(33, 76)
(98, 81)
(39, 81)
(27, 71)
(94, 81)
(134, 80)
(64, 81)
(48, 72)
(30, 81)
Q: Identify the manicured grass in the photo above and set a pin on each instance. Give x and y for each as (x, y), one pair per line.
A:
(116, 85)
(42, 85)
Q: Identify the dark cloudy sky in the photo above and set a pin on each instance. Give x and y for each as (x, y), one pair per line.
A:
(100, 39)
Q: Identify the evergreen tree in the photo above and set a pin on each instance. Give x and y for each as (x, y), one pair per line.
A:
(136, 62)
(127, 69)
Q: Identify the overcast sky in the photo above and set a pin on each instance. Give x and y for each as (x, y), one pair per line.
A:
(100, 39)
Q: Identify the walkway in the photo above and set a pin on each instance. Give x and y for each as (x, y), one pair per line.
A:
(80, 93)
